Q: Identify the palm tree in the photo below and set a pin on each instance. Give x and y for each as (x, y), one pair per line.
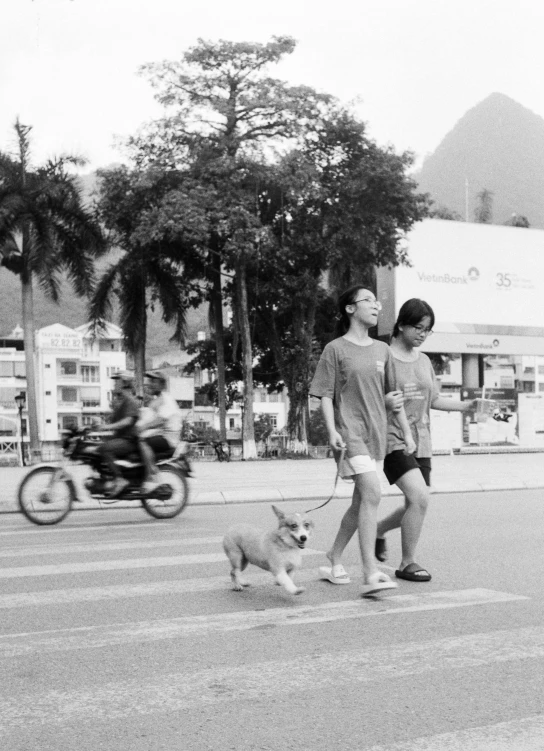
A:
(44, 231)
(138, 280)
(142, 210)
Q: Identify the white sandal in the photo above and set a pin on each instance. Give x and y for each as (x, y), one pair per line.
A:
(335, 575)
(376, 583)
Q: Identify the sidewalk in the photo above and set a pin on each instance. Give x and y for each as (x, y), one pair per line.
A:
(285, 480)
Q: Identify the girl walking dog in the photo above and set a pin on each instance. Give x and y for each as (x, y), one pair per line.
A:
(414, 377)
(355, 381)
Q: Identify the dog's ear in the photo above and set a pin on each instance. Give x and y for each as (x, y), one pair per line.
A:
(279, 514)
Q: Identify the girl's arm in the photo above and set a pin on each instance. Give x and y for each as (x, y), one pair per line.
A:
(449, 405)
(335, 439)
(409, 443)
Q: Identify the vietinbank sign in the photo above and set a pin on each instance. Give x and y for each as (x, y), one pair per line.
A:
(485, 284)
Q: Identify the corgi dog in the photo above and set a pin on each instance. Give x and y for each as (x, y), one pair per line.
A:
(278, 552)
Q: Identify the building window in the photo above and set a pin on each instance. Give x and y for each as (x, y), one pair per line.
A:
(68, 395)
(47, 365)
(90, 373)
(273, 421)
(67, 422)
(111, 371)
(48, 393)
(68, 368)
(185, 403)
(528, 387)
(541, 386)
(273, 397)
(19, 369)
(231, 423)
(6, 369)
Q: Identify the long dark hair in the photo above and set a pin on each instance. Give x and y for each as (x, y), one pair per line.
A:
(346, 298)
(411, 313)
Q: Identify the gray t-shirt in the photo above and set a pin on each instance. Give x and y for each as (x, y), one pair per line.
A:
(418, 383)
(357, 378)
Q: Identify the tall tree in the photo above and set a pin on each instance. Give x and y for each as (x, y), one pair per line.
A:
(157, 226)
(225, 109)
(340, 204)
(45, 230)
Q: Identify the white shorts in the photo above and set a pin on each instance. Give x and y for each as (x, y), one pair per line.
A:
(357, 465)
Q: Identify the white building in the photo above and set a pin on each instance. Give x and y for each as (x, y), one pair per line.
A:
(73, 377)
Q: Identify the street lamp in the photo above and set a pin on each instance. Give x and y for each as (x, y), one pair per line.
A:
(20, 401)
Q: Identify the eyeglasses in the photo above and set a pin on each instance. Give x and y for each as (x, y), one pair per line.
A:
(422, 330)
(376, 303)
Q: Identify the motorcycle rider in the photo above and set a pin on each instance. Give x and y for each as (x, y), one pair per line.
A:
(123, 419)
(159, 426)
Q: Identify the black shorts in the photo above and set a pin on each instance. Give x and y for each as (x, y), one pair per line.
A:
(397, 463)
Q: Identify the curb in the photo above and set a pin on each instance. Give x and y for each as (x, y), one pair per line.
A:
(275, 495)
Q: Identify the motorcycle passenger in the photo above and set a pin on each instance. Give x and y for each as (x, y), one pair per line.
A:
(159, 426)
(123, 419)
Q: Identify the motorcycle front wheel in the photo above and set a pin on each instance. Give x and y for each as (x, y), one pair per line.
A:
(46, 495)
(171, 497)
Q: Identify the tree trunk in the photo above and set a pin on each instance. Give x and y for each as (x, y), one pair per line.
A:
(32, 407)
(139, 350)
(296, 419)
(249, 449)
(216, 301)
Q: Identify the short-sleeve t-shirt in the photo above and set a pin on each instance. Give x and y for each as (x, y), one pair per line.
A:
(418, 383)
(127, 406)
(357, 378)
(164, 406)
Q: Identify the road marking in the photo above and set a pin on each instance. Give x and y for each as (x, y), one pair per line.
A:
(93, 637)
(117, 565)
(524, 734)
(158, 525)
(74, 547)
(108, 701)
(152, 589)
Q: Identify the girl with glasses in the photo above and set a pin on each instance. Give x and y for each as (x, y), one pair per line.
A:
(352, 379)
(414, 376)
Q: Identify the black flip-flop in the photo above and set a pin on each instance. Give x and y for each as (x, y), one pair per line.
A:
(380, 549)
(413, 573)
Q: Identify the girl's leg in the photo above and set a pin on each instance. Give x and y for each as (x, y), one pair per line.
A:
(393, 521)
(369, 490)
(348, 527)
(416, 494)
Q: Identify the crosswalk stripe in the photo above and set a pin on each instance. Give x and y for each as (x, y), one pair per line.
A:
(117, 565)
(91, 637)
(524, 734)
(18, 552)
(257, 681)
(122, 591)
(150, 525)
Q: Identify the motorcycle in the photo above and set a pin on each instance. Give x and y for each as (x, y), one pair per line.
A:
(47, 492)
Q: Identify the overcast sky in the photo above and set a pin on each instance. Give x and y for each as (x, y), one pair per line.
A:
(69, 67)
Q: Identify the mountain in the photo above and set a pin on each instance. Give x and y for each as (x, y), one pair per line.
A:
(497, 145)
(71, 311)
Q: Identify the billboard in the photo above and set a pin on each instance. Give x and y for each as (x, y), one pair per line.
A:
(485, 284)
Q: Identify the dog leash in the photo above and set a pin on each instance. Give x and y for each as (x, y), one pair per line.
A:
(340, 460)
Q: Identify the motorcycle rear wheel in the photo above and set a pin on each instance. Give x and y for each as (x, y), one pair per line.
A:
(167, 509)
(43, 498)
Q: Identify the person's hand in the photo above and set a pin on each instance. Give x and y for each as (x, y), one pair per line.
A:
(336, 441)
(409, 445)
(471, 405)
(394, 400)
